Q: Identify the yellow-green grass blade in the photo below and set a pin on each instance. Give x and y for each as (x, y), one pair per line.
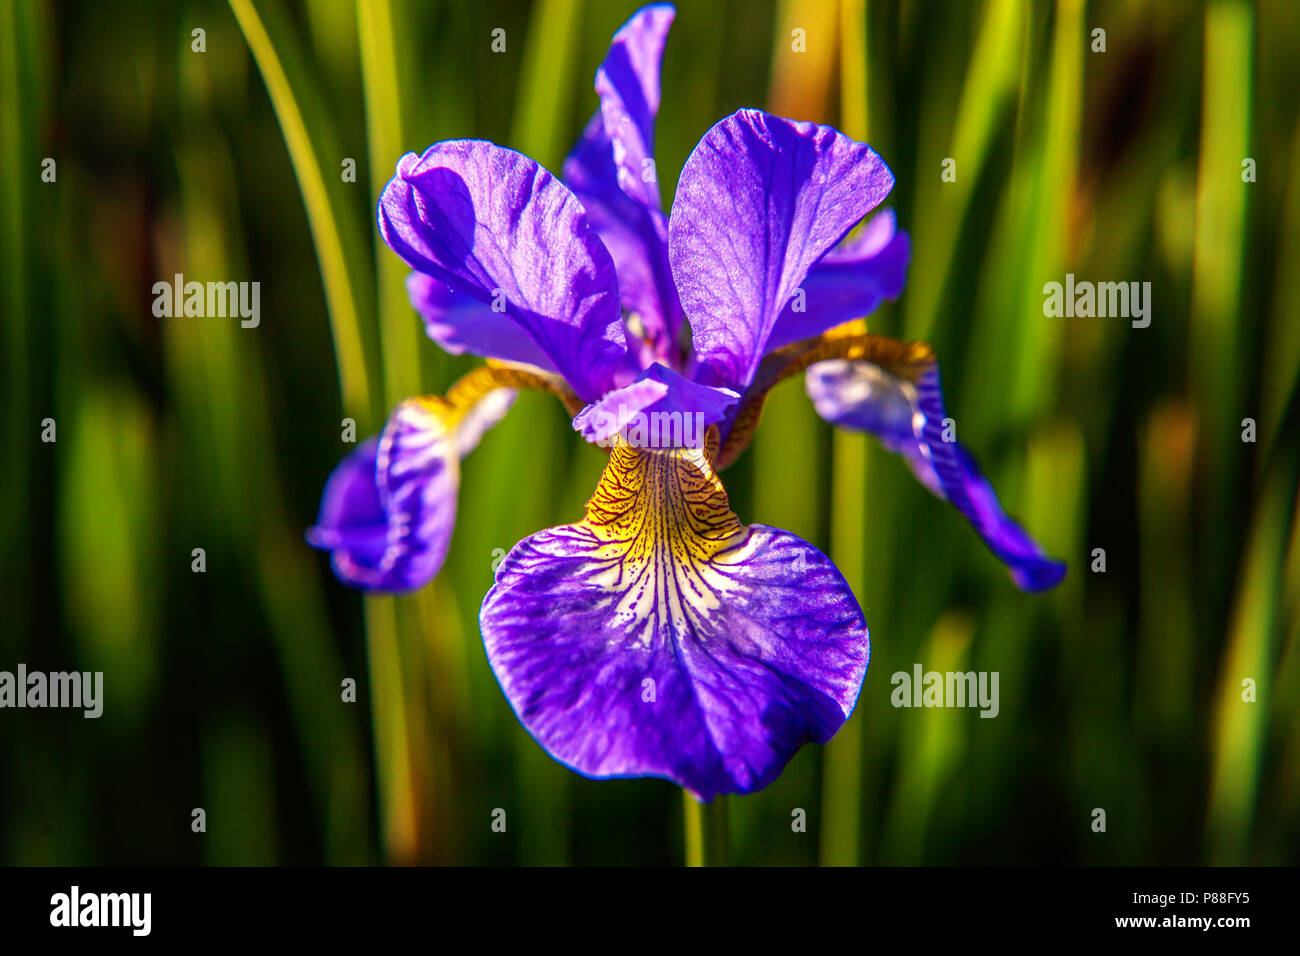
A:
(399, 819)
(382, 55)
(317, 166)
(1246, 686)
(543, 118)
(1164, 692)
(931, 747)
(842, 766)
(1011, 369)
(1221, 195)
(990, 82)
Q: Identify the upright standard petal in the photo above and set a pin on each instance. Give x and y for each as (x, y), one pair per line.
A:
(493, 224)
(389, 509)
(660, 637)
(637, 239)
(612, 171)
(847, 283)
(661, 409)
(628, 86)
(908, 417)
(759, 202)
(460, 323)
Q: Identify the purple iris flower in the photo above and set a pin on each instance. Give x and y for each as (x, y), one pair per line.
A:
(658, 636)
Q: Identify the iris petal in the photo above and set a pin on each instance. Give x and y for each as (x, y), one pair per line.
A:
(759, 202)
(351, 523)
(493, 224)
(628, 85)
(848, 282)
(671, 411)
(661, 637)
(611, 170)
(908, 418)
(418, 470)
(389, 508)
(460, 323)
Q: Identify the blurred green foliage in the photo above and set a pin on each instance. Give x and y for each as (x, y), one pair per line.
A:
(1121, 690)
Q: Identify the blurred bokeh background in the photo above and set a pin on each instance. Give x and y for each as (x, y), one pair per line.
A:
(1121, 690)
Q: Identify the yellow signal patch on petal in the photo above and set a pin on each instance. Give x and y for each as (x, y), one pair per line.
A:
(662, 534)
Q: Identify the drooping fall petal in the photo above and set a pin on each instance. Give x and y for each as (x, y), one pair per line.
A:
(661, 637)
(389, 509)
(909, 419)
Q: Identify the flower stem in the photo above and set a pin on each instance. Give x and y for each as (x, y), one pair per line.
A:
(705, 826)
